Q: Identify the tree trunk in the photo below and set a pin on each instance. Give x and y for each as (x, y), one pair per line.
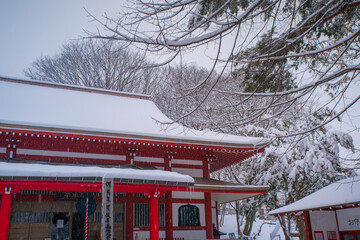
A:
(248, 227)
(222, 214)
(237, 218)
(283, 225)
(300, 225)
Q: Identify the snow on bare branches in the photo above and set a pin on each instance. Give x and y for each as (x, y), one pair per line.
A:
(286, 52)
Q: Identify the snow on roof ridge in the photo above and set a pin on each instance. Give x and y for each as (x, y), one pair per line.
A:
(231, 186)
(74, 87)
(81, 112)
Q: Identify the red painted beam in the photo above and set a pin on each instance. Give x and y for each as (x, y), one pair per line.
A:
(51, 198)
(96, 187)
(34, 198)
(86, 186)
(112, 145)
(131, 141)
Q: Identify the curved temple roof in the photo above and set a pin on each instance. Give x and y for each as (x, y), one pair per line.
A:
(29, 104)
(223, 192)
(220, 191)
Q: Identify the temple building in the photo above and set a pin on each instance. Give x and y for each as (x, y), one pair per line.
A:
(331, 213)
(77, 161)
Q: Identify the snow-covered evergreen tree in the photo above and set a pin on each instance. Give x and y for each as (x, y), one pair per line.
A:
(293, 167)
(296, 166)
(270, 43)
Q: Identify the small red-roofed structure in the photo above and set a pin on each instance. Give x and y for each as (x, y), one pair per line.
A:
(331, 213)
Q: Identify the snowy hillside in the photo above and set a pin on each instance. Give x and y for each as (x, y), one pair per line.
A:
(266, 228)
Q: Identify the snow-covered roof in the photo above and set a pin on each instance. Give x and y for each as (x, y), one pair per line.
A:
(65, 108)
(224, 192)
(343, 192)
(30, 171)
(214, 184)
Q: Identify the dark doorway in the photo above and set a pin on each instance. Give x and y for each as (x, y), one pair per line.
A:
(60, 226)
(78, 227)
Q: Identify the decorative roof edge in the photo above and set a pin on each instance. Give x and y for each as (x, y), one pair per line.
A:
(129, 136)
(243, 188)
(75, 88)
(327, 207)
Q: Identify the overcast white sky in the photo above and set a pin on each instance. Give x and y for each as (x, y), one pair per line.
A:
(33, 28)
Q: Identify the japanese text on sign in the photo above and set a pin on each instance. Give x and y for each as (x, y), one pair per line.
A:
(107, 209)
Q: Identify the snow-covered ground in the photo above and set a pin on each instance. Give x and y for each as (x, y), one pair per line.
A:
(230, 227)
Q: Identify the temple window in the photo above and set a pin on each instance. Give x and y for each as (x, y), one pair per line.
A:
(141, 215)
(189, 216)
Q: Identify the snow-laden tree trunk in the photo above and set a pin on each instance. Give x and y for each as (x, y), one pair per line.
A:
(222, 214)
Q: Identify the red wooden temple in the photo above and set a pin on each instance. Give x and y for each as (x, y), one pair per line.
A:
(59, 142)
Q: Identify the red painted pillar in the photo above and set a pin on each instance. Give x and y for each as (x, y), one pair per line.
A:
(206, 168)
(167, 162)
(154, 216)
(168, 201)
(5, 212)
(169, 216)
(308, 229)
(129, 216)
(217, 216)
(208, 216)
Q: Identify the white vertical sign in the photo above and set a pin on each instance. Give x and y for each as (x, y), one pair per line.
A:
(107, 220)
